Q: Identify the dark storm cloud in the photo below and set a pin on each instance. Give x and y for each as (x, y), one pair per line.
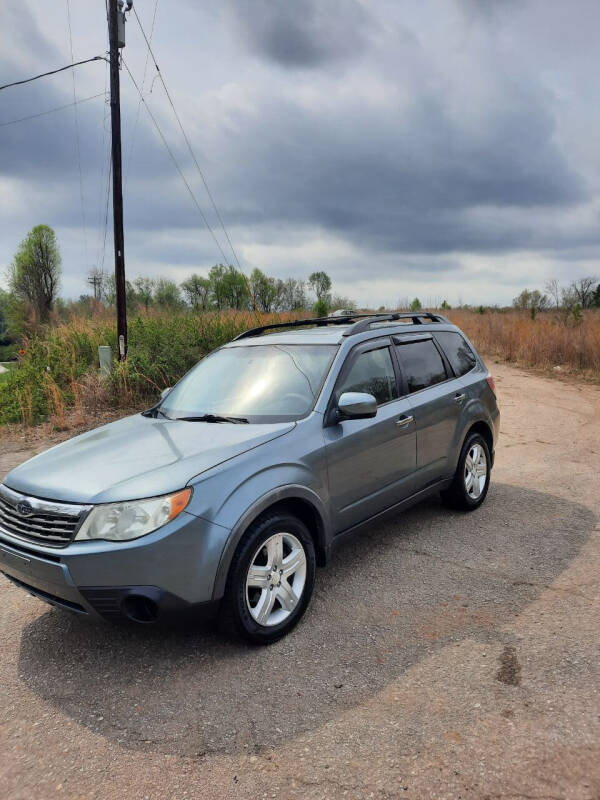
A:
(410, 138)
(395, 180)
(399, 181)
(27, 41)
(302, 33)
(45, 147)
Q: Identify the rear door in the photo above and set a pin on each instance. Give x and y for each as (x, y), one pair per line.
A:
(436, 397)
(371, 462)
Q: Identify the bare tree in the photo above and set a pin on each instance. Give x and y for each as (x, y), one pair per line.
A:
(583, 289)
(532, 301)
(552, 286)
(292, 295)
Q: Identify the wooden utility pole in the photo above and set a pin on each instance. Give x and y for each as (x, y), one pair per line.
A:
(115, 26)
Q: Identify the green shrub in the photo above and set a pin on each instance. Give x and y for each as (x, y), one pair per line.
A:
(161, 348)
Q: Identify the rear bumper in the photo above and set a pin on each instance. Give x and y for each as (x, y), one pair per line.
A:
(168, 574)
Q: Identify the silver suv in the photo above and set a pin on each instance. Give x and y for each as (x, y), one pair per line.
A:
(228, 493)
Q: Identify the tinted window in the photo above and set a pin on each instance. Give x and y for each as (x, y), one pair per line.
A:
(422, 364)
(372, 372)
(458, 352)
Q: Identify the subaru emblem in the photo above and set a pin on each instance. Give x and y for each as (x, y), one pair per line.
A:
(24, 509)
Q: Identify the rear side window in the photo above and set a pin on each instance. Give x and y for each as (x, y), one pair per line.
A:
(372, 372)
(458, 352)
(421, 363)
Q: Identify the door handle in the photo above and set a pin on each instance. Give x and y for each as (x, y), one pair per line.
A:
(458, 398)
(404, 421)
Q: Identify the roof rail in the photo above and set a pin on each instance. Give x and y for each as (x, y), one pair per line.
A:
(361, 322)
(297, 323)
(417, 317)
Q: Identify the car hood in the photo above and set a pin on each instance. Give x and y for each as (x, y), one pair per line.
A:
(136, 457)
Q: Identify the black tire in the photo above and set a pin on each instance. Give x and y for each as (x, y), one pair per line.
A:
(457, 496)
(236, 618)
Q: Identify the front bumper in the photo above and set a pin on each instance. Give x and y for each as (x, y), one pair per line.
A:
(159, 576)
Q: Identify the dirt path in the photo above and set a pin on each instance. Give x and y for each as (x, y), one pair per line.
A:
(444, 656)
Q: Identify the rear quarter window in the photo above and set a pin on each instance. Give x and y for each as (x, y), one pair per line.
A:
(458, 352)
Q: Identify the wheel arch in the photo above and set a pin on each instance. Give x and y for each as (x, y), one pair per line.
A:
(483, 429)
(298, 500)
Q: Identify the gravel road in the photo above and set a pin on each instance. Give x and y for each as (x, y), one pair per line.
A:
(444, 656)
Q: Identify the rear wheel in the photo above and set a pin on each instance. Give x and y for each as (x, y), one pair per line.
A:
(472, 477)
(270, 580)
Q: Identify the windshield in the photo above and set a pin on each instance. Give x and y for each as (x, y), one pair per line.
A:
(260, 383)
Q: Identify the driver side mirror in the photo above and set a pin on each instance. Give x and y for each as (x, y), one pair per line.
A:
(165, 392)
(357, 405)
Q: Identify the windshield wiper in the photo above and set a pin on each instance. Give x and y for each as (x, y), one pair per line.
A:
(214, 418)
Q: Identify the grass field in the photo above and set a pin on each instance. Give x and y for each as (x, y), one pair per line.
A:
(547, 342)
(58, 369)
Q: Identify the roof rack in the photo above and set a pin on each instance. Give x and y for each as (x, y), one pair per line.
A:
(369, 319)
(361, 322)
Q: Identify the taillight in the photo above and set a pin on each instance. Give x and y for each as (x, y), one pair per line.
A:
(491, 384)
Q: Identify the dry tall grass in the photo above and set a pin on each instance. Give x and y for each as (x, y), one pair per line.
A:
(59, 367)
(546, 342)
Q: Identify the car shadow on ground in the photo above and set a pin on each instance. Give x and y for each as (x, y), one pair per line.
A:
(390, 597)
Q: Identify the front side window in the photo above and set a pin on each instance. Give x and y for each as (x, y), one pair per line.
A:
(373, 373)
(458, 352)
(421, 363)
(261, 383)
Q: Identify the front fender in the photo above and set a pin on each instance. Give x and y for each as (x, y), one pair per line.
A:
(276, 495)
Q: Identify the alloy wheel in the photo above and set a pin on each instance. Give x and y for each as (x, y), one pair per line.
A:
(276, 578)
(475, 471)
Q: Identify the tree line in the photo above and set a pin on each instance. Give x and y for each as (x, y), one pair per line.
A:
(225, 287)
(572, 299)
(34, 279)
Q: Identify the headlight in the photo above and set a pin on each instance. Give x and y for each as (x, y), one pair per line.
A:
(120, 522)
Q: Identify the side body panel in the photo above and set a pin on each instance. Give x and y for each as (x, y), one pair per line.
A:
(438, 412)
(371, 464)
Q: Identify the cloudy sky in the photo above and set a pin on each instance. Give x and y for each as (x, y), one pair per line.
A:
(444, 149)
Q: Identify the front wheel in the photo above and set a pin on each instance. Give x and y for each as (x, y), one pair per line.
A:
(271, 579)
(471, 481)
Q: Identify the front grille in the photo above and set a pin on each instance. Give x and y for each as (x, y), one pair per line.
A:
(41, 521)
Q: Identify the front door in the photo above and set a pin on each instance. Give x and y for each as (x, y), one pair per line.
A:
(370, 461)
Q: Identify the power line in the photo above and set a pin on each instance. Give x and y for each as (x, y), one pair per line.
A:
(108, 178)
(106, 157)
(193, 155)
(52, 72)
(106, 214)
(139, 106)
(176, 163)
(52, 110)
(77, 144)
